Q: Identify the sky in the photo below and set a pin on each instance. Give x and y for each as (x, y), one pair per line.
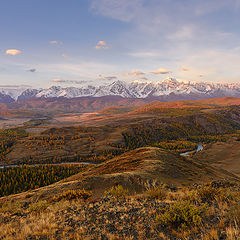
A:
(77, 42)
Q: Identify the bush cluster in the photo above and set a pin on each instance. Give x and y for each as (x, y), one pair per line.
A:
(38, 206)
(182, 214)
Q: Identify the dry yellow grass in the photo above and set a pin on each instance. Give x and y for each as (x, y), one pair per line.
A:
(88, 220)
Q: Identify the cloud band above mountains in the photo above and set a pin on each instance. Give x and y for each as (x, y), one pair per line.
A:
(58, 80)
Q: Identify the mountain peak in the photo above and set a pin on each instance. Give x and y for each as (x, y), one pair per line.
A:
(137, 89)
(118, 82)
(170, 80)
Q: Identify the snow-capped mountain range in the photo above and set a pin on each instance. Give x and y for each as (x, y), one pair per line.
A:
(168, 89)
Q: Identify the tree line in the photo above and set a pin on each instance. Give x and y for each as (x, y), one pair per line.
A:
(23, 178)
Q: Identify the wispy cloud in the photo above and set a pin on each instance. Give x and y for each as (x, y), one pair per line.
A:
(147, 34)
(64, 55)
(161, 71)
(144, 78)
(102, 45)
(146, 54)
(213, 65)
(107, 78)
(206, 7)
(185, 32)
(82, 68)
(136, 73)
(59, 80)
(123, 10)
(157, 22)
(13, 52)
(55, 42)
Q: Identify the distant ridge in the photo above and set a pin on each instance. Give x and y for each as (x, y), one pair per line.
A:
(167, 90)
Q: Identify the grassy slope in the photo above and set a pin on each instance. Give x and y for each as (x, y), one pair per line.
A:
(133, 170)
(203, 213)
(225, 155)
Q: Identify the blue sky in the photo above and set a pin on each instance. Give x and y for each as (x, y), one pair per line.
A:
(74, 42)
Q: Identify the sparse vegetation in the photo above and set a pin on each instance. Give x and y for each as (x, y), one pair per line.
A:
(138, 217)
(72, 194)
(117, 191)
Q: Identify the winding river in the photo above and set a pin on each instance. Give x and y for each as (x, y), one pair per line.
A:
(199, 148)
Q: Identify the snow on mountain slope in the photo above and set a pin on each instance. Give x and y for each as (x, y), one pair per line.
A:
(5, 98)
(141, 89)
(12, 91)
(117, 88)
(70, 92)
(137, 89)
(28, 94)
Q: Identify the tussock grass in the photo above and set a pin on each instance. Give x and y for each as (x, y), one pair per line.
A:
(156, 193)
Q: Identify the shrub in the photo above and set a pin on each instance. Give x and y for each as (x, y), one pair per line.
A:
(207, 193)
(38, 206)
(190, 196)
(156, 193)
(182, 214)
(72, 194)
(117, 191)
